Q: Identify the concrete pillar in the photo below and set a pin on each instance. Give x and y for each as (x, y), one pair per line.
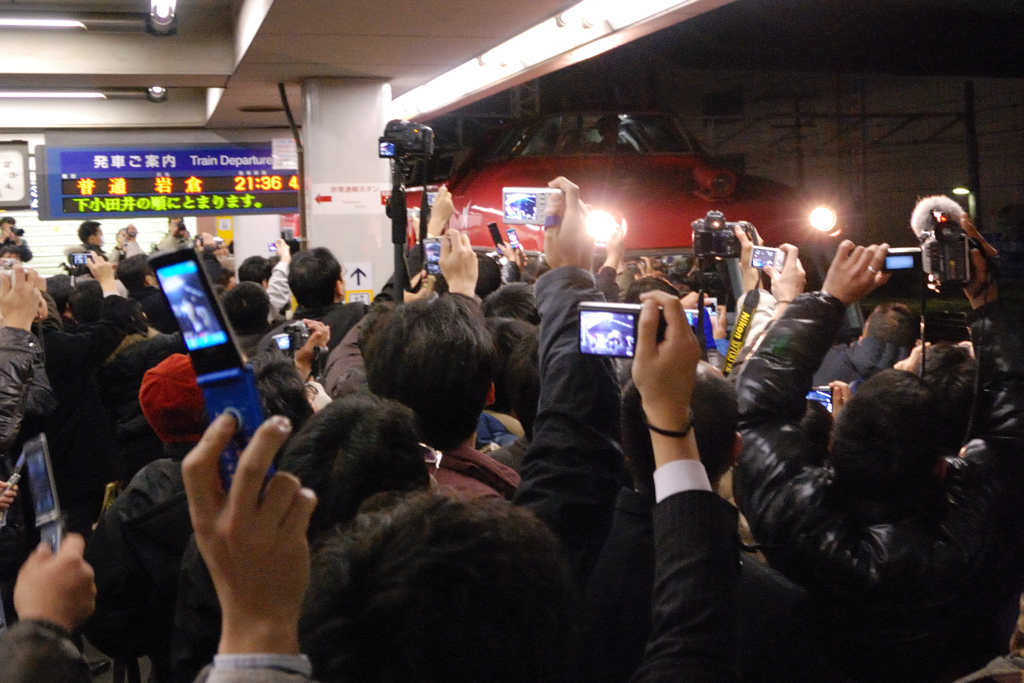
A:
(252, 233)
(344, 176)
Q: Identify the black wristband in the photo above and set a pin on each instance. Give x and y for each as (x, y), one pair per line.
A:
(682, 434)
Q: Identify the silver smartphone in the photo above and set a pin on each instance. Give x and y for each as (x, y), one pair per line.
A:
(44, 492)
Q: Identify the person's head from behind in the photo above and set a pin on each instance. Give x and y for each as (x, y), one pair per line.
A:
(89, 232)
(488, 276)
(247, 306)
(887, 438)
(516, 300)
(135, 273)
(436, 357)
(952, 374)
(893, 323)
(315, 278)
(648, 284)
(439, 589)
(715, 411)
(10, 251)
(255, 269)
(517, 379)
(281, 390)
(86, 302)
(354, 448)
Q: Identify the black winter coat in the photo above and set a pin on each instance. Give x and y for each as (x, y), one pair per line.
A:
(903, 593)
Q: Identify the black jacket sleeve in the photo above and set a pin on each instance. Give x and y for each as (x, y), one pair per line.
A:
(19, 353)
(571, 474)
(999, 406)
(694, 608)
(90, 347)
(607, 284)
(41, 652)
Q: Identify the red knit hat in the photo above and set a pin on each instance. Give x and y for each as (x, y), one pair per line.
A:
(172, 401)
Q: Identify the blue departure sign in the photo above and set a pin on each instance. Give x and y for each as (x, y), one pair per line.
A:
(182, 180)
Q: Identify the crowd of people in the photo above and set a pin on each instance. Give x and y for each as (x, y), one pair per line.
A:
(447, 489)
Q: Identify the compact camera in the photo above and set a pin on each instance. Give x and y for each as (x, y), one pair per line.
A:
(714, 237)
(946, 250)
(526, 205)
(406, 139)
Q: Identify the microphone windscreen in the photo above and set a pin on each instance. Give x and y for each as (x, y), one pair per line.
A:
(920, 219)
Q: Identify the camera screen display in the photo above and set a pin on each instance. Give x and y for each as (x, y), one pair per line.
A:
(521, 206)
(765, 256)
(432, 250)
(822, 396)
(513, 239)
(191, 307)
(387, 150)
(39, 480)
(607, 333)
(272, 246)
(283, 341)
(80, 259)
(899, 262)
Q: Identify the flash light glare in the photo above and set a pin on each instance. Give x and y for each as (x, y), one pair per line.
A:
(823, 219)
(600, 226)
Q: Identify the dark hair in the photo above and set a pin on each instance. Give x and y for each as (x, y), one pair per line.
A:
(86, 301)
(509, 335)
(516, 300)
(355, 447)
(437, 357)
(254, 269)
(8, 249)
(648, 284)
(132, 272)
(41, 657)
(488, 278)
(218, 274)
(886, 438)
(281, 390)
(86, 230)
(247, 306)
(522, 377)
(313, 276)
(952, 375)
(7, 219)
(440, 589)
(715, 411)
(894, 323)
(59, 287)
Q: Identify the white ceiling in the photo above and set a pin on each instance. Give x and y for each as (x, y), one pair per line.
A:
(247, 47)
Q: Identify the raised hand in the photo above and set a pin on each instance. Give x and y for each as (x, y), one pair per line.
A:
(568, 243)
(458, 263)
(856, 271)
(57, 588)
(19, 298)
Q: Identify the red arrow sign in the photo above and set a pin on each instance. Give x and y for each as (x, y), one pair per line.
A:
(321, 198)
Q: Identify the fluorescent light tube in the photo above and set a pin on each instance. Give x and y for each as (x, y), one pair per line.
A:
(51, 95)
(40, 23)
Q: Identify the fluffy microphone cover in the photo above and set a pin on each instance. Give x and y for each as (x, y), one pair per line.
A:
(920, 220)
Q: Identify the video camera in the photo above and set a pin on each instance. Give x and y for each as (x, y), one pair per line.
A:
(713, 236)
(292, 338)
(945, 247)
(406, 139)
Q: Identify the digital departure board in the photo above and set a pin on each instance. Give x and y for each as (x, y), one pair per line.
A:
(184, 180)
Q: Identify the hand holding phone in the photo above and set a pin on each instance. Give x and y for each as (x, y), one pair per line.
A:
(57, 586)
(272, 247)
(432, 255)
(44, 492)
(822, 395)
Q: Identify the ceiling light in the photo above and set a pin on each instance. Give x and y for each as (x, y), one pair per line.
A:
(586, 23)
(156, 93)
(600, 226)
(961, 190)
(823, 219)
(10, 22)
(51, 95)
(163, 20)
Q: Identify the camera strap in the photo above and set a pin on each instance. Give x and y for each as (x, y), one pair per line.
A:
(739, 333)
(700, 326)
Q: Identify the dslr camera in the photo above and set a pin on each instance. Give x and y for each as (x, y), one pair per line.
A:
(945, 250)
(713, 236)
(406, 139)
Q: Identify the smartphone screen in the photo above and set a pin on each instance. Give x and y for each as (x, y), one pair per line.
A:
(80, 259)
(432, 252)
(191, 306)
(40, 481)
(272, 247)
(822, 395)
(902, 259)
(709, 330)
(608, 333)
(495, 234)
(513, 239)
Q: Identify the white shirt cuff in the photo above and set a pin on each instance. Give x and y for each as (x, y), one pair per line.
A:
(678, 476)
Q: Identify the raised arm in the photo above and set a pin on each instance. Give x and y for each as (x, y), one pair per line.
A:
(570, 476)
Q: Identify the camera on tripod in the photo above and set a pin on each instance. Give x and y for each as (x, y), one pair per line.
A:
(714, 237)
(406, 139)
(945, 249)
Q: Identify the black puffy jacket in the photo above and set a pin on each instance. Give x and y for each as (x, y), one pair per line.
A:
(903, 592)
